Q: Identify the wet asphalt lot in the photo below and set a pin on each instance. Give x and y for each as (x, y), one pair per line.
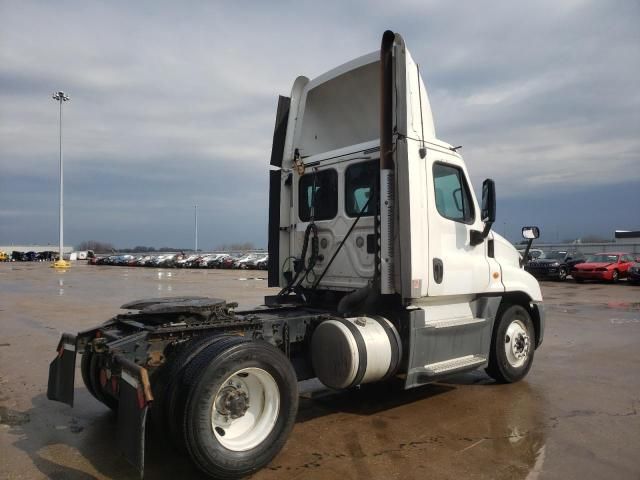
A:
(574, 416)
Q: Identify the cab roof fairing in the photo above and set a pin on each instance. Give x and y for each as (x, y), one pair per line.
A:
(341, 107)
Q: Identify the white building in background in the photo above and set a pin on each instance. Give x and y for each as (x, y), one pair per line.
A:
(34, 248)
(626, 237)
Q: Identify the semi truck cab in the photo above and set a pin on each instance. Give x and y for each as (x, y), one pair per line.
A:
(371, 212)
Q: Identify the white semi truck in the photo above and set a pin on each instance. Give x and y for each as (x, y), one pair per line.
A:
(388, 270)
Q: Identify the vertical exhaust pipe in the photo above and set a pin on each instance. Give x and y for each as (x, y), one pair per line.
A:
(385, 193)
(386, 101)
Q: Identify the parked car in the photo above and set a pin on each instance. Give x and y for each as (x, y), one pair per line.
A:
(213, 260)
(230, 261)
(610, 267)
(186, 261)
(556, 264)
(49, 256)
(634, 273)
(218, 261)
(261, 263)
(4, 257)
(203, 261)
(30, 257)
(245, 262)
(534, 254)
(253, 263)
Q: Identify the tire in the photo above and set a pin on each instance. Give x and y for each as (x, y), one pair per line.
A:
(166, 385)
(615, 276)
(562, 274)
(96, 388)
(222, 383)
(85, 370)
(512, 345)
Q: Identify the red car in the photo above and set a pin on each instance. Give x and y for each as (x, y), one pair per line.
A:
(609, 266)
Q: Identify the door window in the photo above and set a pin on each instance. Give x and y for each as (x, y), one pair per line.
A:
(318, 195)
(453, 200)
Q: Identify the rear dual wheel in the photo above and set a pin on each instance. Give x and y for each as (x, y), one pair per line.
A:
(233, 405)
(90, 368)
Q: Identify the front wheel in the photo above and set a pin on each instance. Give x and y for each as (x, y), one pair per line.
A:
(512, 345)
(615, 276)
(240, 407)
(562, 274)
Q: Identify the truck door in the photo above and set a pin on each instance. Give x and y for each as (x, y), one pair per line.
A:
(457, 267)
(436, 207)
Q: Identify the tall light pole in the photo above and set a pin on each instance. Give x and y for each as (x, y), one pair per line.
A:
(61, 97)
(196, 212)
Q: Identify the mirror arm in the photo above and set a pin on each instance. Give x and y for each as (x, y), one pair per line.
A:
(525, 255)
(477, 237)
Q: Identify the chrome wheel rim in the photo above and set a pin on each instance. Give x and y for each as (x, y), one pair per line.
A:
(245, 409)
(517, 344)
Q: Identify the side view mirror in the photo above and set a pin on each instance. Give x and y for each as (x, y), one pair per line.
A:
(487, 212)
(529, 233)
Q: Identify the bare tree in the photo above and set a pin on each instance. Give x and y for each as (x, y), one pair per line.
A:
(97, 247)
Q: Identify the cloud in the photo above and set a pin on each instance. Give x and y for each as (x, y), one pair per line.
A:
(173, 104)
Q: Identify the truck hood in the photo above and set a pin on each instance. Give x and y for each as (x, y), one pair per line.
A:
(514, 278)
(505, 252)
(590, 265)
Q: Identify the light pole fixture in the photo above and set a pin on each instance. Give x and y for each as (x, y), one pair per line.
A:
(61, 97)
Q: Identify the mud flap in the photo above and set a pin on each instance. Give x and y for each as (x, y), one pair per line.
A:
(62, 371)
(134, 401)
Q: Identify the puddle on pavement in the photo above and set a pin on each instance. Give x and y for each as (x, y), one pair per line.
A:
(629, 306)
(577, 308)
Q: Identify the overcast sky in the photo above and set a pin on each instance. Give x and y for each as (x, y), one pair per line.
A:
(173, 104)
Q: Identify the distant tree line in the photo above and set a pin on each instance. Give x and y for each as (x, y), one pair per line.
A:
(97, 247)
(232, 247)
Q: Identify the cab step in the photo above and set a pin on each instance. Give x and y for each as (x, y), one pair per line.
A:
(453, 322)
(455, 364)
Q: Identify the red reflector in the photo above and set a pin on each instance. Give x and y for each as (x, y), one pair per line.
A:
(141, 401)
